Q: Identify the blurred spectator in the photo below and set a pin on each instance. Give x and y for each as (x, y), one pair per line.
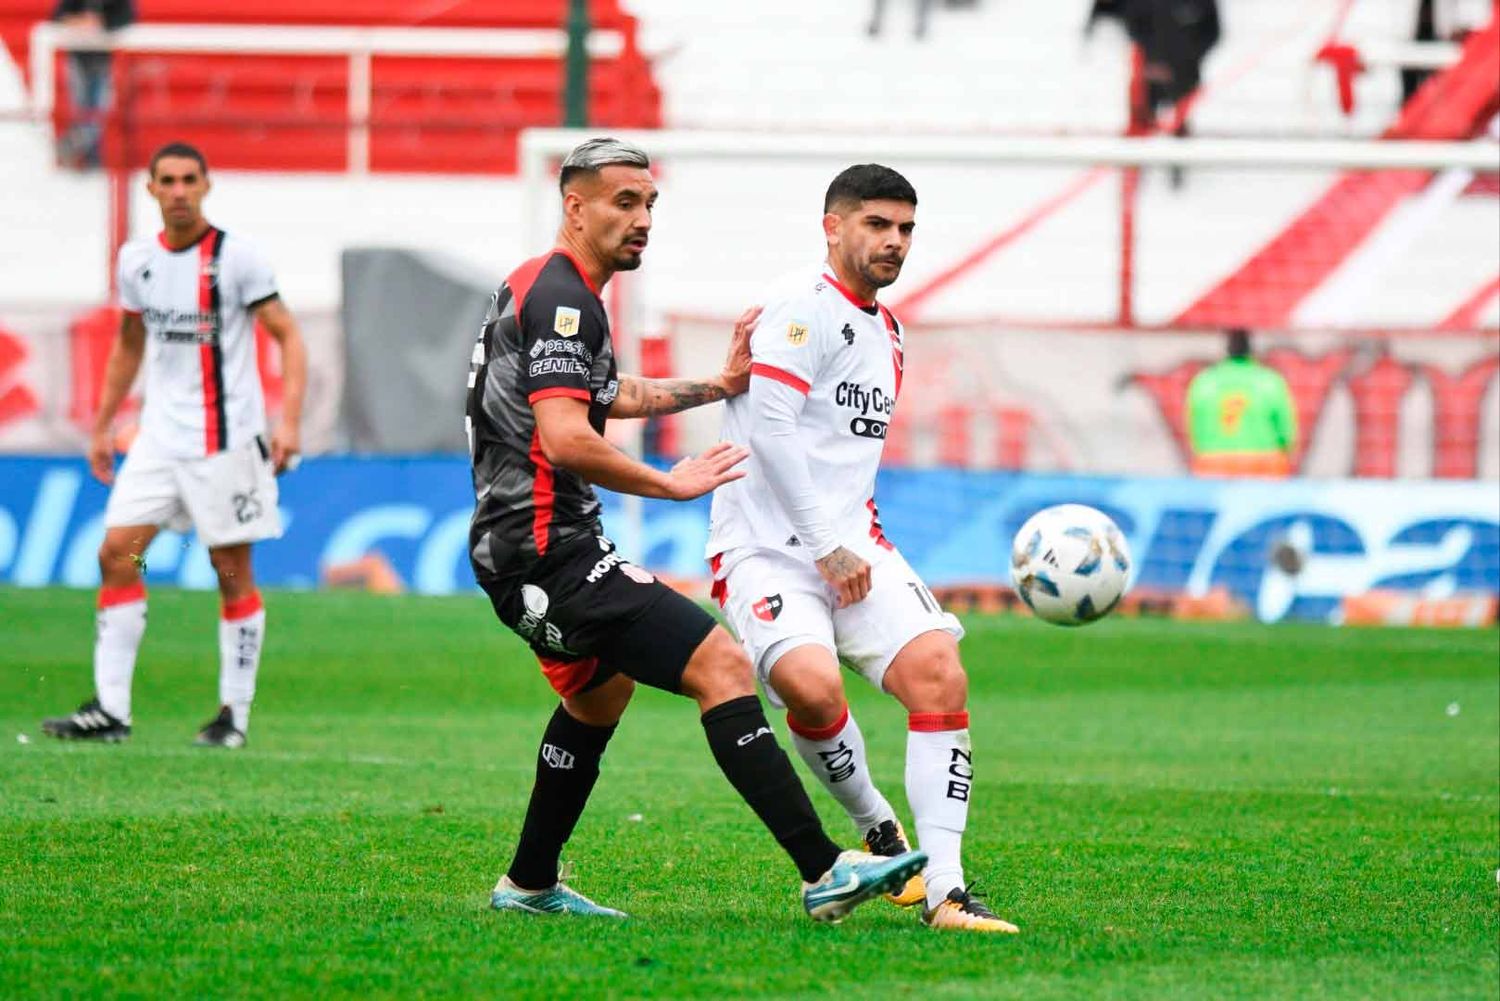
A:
(1240, 417)
(89, 91)
(1442, 21)
(1174, 37)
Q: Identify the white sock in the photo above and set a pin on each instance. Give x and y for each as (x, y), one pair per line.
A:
(121, 622)
(242, 630)
(836, 755)
(939, 778)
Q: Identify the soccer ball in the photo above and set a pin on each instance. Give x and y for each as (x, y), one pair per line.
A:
(1069, 564)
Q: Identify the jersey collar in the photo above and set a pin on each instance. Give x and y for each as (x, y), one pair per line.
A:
(161, 238)
(579, 268)
(868, 307)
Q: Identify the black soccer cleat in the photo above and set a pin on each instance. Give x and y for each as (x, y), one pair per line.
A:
(220, 732)
(90, 722)
(889, 839)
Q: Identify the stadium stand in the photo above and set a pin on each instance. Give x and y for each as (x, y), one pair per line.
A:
(456, 114)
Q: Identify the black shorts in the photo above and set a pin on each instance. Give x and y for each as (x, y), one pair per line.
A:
(589, 615)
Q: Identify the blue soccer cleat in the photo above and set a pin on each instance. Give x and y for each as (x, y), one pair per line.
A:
(558, 899)
(857, 876)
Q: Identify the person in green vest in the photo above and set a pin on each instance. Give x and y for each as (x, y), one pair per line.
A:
(1240, 416)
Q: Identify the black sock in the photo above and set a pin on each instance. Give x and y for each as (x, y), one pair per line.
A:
(746, 749)
(567, 765)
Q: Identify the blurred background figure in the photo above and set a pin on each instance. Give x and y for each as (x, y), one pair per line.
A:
(1174, 37)
(89, 91)
(1241, 421)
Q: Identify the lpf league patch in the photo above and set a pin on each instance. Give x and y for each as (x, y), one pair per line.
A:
(565, 321)
(796, 334)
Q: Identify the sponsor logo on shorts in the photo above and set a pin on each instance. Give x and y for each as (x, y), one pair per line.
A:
(534, 620)
(767, 608)
(600, 568)
(556, 757)
(637, 574)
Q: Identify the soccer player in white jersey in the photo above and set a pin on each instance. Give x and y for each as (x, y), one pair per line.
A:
(801, 567)
(202, 459)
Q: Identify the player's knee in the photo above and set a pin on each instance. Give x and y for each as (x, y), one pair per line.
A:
(817, 704)
(935, 681)
(718, 671)
(118, 565)
(604, 705)
(233, 570)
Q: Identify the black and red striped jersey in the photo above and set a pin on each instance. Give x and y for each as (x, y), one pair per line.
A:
(202, 386)
(546, 334)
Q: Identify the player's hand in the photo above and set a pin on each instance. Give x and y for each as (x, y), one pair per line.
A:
(286, 447)
(700, 474)
(101, 455)
(847, 574)
(736, 373)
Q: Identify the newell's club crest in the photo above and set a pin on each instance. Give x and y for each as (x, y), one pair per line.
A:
(796, 334)
(565, 321)
(767, 608)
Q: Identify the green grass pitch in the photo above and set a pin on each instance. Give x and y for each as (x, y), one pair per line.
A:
(1167, 810)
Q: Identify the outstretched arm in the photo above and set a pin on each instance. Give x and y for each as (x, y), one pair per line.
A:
(568, 440)
(641, 397)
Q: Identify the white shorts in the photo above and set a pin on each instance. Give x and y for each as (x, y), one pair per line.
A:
(229, 497)
(776, 603)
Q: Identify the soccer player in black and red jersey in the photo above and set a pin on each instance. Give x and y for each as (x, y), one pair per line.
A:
(542, 383)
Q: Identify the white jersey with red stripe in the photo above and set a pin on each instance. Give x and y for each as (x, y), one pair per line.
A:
(202, 388)
(845, 356)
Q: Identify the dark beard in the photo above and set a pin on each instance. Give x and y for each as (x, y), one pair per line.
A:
(868, 274)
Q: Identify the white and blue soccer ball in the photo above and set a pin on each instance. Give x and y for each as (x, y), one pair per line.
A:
(1070, 564)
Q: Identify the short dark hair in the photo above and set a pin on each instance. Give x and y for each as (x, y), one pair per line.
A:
(866, 182)
(594, 155)
(1238, 345)
(183, 150)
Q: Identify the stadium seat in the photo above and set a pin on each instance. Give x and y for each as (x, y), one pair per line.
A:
(428, 114)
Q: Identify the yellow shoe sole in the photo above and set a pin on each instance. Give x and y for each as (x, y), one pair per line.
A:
(947, 917)
(912, 894)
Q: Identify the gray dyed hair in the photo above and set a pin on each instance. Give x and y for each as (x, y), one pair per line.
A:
(595, 154)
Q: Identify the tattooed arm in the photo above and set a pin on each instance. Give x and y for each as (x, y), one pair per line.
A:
(640, 397)
(653, 397)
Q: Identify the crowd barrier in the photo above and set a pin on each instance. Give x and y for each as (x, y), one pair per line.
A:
(1294, 549)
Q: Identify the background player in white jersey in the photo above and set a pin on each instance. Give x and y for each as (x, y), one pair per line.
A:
(801, 566)
(202, 459)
